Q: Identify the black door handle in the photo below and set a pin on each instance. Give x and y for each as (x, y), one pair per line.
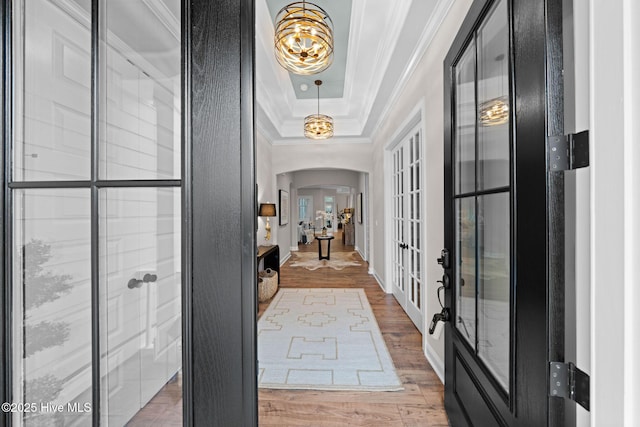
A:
(444, 281)
(443, 316)
(444, 258)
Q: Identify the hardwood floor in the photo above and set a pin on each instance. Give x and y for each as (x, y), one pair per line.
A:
(419, 404)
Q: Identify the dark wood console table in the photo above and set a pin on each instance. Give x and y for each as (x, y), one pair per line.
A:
(328, 239)
(271, 257)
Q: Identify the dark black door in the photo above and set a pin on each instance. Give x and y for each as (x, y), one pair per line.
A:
(496, 214)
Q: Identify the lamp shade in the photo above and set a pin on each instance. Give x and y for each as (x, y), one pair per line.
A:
(267, 209)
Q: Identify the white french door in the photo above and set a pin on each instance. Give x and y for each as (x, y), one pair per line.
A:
(407, 277)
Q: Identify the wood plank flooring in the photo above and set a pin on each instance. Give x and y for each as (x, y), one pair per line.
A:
(419, 404)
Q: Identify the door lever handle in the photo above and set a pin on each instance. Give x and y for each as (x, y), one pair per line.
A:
(443, 316)
(444, 281)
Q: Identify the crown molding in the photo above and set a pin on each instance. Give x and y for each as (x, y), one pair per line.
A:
(165, 16)
(391, 23)
(376, 26)
(331, 141)
(436, 19)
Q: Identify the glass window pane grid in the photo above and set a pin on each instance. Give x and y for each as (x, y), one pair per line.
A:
(492, 98)
(466, 270)
(52, 264)
(464, 120)
(494, 278)
(478, 193)
(21, 182)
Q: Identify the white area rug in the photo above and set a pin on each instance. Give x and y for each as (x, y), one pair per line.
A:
(323, 339)
(338, 261)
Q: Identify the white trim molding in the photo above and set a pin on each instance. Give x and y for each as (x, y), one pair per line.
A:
(435, 361)
(372, 272)
(285, 258)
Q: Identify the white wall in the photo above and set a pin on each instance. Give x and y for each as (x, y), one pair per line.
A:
(266, 187)
(334, 176)
(324, 155)
(424, 87)
(615, 208)
(577, 199)
(286, 235)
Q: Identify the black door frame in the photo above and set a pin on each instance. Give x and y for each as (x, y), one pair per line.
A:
(219, 213)
(5, 348)
(223, 213)
(537, 317)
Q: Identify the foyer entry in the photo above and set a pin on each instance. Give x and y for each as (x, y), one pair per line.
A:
(422, 397)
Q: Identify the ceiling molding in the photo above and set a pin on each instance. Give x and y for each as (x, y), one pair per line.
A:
(390, 24)
(332, 141)
(165, 16)
(386, 42)
(435, 20)
(273, 86)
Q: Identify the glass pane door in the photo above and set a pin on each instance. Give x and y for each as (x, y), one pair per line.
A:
(96, 245)
(52, 360)
(398, 223)
(407, 280)
(483, 196)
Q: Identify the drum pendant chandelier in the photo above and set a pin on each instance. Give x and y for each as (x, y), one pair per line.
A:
(318, 126)
(303, 39)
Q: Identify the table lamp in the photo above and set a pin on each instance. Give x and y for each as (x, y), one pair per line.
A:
(267, 210)
(348, 212)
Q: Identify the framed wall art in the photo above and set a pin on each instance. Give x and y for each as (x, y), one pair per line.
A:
(284, 207)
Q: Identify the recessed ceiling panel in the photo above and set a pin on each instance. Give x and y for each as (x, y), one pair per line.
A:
(332, 78)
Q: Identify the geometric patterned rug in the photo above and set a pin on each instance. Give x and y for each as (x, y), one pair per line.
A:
(323, 339)
(338, 261)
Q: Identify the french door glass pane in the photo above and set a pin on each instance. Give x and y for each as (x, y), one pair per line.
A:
(52, 306)
(465, 122)
(52, 98)
(465, 281)
(494, 255)
(141, 119)
(493, 100)
(141, 300)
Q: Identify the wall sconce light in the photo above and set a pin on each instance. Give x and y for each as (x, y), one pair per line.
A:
(267, 210)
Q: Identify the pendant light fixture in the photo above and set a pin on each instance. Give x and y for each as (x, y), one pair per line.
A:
(318, 126)
(496, 111)
(304, 38)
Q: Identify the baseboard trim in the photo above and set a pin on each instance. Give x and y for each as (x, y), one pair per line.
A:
(357, 249)
(375, 276)
(285, 258)
(436, 363)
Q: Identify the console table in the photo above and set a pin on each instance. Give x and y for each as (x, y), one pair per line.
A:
(270, 255)
(349, 234)
(320, 239)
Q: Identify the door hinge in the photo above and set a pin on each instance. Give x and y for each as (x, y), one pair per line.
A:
(566, 380)
(568, 152)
